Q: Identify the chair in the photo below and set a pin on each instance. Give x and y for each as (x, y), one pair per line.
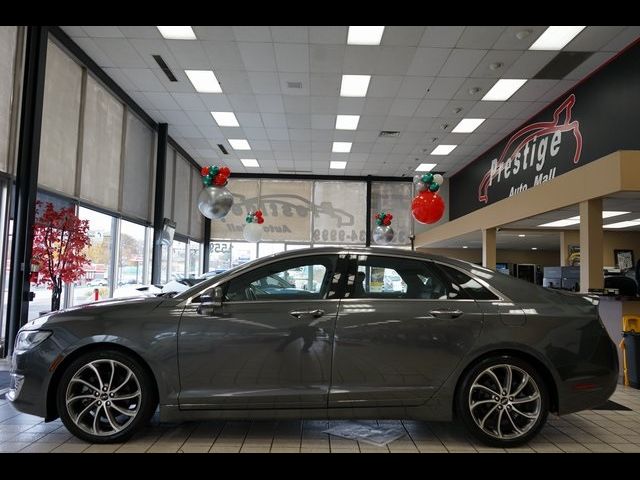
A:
(627, 286)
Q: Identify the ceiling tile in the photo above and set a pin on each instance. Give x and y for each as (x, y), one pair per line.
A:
(443, 88)
(351, 106)
(102, 31)
(510, 109)
(402, 35)
(532, 90)
(296, 104)
(480, 36)
(326, 58)
(162, 101)
(146, 48)
(375, 106)
(235, 82)
(509, 41)
(292, 57)
(249, 120)
(97, 55)
(264, 82)
(404, 107)
(324, 105)
(270, 103)
(274, 120)
(223, 55)
(190, 55)
(189, 101)
(252, 33)
(461, 62)
(428, 61)
(430, 108)
(502, 60)
(287, 78)
(258, 56)
(323, 122)
(360, 59)
(334, 35)
(200, 117)
(589, 65)
(324, 84)
(530, 63)
(384, 86)
(593, 38)
(177, 117)
(623, 39)
(216, 102)
(220, 33)
(290, 34)
(76, 31)
(441, 36)
(394, 60)
(243, 103)
(414, 87)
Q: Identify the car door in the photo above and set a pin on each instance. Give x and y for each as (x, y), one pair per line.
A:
(269, 344)
(402, 328)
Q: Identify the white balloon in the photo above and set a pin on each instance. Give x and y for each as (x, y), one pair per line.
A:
(421, 187)
(417, 179)
(253, 232)
(437, 178)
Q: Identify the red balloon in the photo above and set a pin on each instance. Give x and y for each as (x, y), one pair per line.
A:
(259, 213)
(260, 220)
(204, 171)
(387, 221)
(224, 171)
(219, 180)
(427, 207)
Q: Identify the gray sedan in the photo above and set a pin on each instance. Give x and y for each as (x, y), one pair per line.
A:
(379, 333)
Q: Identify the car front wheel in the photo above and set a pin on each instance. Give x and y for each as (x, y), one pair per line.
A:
(503, 401)
(105, 396)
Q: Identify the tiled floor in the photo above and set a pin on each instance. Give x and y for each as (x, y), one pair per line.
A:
(589, 431)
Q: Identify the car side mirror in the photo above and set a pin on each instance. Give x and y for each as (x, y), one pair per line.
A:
(213, 300)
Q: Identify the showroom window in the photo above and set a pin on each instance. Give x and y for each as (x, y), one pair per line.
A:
(195, 259)
(265, 249)
(6, 238)
(219, 256)
(131, 258)
(178, 260)
(100, 254)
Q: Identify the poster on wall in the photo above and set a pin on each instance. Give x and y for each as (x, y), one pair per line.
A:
(624, 259)
(566, 135)
(573, 256)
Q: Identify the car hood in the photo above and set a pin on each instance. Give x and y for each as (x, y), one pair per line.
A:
(91, 310)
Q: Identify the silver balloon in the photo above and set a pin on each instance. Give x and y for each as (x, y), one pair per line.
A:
(417, 179)
(253, 232)
(215, 202)
(383, 234)
(421, 187)
(437, 178)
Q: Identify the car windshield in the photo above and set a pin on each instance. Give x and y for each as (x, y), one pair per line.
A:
(208, 277)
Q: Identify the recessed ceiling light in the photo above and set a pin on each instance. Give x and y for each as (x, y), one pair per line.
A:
(341, 147)
(239, 144)
(628, 223)
(495, 66)
(464, 246)
(177, 33)
(555, 38)
(534, 248)
(443, 149)
(354, 85)
(337, 165)
(360, 35)
(468, 125)
(347, 122)
(249, 162)
(503, 89)
(522, 235)
(425, 167)
(522, 34)
(612, 213)
(204, 81)
(225, 119)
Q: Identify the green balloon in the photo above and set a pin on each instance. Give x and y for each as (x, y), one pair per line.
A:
(434, 187)
(427, 178)
(206, 181)
(214, 170)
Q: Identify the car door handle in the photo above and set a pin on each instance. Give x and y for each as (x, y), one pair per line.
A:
(446, 313)
(316, 313)
(313, 313)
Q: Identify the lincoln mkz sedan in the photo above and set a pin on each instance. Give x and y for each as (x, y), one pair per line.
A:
(365, 333)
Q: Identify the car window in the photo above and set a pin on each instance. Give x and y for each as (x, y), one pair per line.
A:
(472, 287)
(303, 278)
(394, 277)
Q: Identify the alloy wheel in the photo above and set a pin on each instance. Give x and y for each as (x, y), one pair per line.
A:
(504, 401)
(103, 397)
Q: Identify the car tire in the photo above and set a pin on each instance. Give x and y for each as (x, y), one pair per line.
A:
(508, 416)
(105, 396)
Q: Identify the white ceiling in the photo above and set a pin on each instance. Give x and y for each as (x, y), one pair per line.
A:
(420, 76)
(506, 240)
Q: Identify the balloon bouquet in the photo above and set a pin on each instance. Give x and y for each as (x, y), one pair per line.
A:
(383, 233)
(253, 229)
(215, 200)
(427, 206)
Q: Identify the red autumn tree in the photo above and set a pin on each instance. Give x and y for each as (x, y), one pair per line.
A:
(60, 239)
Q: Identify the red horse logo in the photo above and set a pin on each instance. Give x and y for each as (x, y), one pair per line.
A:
(529, 132)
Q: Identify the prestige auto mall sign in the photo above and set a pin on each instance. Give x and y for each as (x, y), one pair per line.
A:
(535, 147)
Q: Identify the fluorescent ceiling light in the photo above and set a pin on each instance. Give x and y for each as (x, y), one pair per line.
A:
(561, 223)
(204, 81)
(354, 85)
(534, 248)
(360, 35)
(347, 122)
(628, 223)
(522, 235)
(338, 165)
(555, 38)
(249, 162)
(225, 119)
(468, 125)
(464, 246)
(611, 213)
(425, 167)
(177, 33)
(239, 144)
(443, 149)
(341, 147)
(503, 89)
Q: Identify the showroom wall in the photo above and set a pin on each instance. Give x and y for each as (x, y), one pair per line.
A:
(611, 241)
(545, 258)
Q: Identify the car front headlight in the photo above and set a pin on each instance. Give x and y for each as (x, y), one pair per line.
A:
(28, 339)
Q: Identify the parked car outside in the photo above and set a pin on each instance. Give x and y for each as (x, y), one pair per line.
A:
(452, 339)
